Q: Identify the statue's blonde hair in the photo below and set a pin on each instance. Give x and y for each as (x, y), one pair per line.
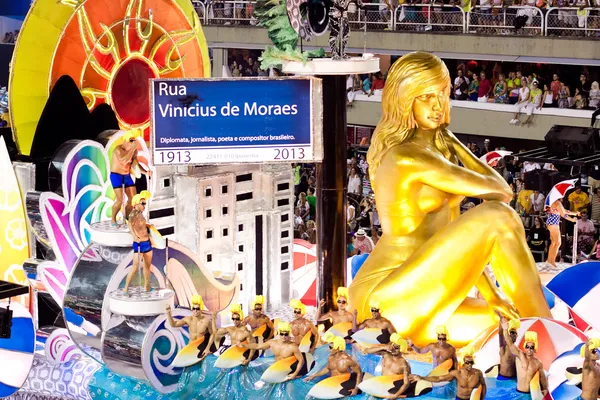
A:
(411, 76)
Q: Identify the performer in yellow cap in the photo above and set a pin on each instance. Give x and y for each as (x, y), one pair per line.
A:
(339, 362)
(507, 369)
(590, 380)
(141, 242)
(238, 333)
(441, 350)
(376, 320)
(198, 325)
(393, 362)
(342, 314)
(527, 365)
(120, 174)
(467, 378)
(301, 326)
(283, 347)
(258, 319)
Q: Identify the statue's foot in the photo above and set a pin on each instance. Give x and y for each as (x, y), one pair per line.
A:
(336, 57)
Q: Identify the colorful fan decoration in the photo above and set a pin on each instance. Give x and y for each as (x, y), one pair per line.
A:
(111, 48)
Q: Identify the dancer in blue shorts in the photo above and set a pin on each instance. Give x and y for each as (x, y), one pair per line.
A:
(120, 174)
(141, 240)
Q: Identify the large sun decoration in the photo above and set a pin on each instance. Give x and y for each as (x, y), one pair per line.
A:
(111, 48)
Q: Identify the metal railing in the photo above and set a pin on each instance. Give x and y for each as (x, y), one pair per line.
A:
(492, 20)
(428, 17)
(226, 12)
(498, 20)
(373, 16)
(572, 21)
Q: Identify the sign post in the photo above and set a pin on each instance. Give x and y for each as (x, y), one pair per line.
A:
(208, 121)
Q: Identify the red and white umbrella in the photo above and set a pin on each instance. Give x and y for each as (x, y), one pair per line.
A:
(493, 157)
(559, 190)
(554, 338)
(304, 275)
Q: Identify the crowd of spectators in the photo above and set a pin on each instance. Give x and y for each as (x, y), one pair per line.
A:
(10, 37)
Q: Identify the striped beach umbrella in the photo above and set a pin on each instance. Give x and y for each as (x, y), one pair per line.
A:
(559, 190)
(554, 338)
(579, 288)
(16, 352)
(304, 275)
(491, 158)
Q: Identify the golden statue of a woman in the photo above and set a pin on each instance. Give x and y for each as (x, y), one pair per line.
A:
(430, 256)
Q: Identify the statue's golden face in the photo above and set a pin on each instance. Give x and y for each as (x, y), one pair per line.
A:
(429, 108)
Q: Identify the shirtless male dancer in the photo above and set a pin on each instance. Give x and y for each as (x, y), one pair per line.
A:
(377, 321)
(282, 347)
(341, 315)
(238, 333)
(508, 369)
(527, 364)
(197, 324)
(441, 351)
(300, 325)
(590, 383)
(258, 319)
(120, 174)
(141, 241)
(467, 378)
(393, 362)
(338, 363)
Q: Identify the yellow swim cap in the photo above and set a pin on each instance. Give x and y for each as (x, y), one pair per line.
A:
(258, 300)
(339, 343)
(328, 337)
(373, 303)
(283, 327)
(398, 341)
(298, 305)
(592, 344)
(441, 330)
(132, 134)
(514, 324)
(136, 199)
(531, 337)
(342, 292)
(145, 194)
(237, 309)
(197, 301)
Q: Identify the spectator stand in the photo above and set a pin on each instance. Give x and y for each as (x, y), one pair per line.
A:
(426, 17)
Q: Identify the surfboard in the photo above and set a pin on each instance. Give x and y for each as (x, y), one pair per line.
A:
(307, 341)
(279, 371)
(136, 170)
(535, 387)
(191, 353)
(442, 369)
(158, 242)
(476, 393)
(386, 386)
(234, 357)
(492, 372)
(336, 387)
(343, 329)
(372, 336)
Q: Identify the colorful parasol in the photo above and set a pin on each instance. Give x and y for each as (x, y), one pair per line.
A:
(493, 157)
(559, 190)
(304, 276)
(554, 338)
(579, 288)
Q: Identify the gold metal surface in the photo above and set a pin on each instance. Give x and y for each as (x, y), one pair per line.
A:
(430, 256)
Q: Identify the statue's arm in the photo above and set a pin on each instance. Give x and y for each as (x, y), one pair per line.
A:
(434, 170)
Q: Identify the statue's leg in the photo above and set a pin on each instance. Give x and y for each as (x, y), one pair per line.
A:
(428, 288)
(333, 38)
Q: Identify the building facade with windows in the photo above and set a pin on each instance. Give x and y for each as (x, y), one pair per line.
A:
(241, 222)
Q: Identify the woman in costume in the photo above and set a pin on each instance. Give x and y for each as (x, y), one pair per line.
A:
(430, 256)
(555, 211)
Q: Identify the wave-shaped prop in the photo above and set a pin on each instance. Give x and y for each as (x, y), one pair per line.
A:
(60, 348)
